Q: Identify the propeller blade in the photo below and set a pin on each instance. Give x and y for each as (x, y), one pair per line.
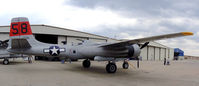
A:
(5, 41)
(144, 45)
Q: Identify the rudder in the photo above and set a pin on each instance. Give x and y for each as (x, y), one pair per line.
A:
(20, 26)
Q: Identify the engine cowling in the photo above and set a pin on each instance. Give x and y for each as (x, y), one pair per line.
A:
(133, 50)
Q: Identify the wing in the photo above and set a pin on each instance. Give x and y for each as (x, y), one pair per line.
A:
(148, 39)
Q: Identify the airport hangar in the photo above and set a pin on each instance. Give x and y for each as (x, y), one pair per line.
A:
(56, 35)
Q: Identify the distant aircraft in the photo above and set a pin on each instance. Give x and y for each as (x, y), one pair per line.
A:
(4, 54)
(23, 42)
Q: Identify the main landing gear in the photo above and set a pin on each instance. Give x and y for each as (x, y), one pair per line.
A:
(111, 67)
(6, 61)
(86, 63)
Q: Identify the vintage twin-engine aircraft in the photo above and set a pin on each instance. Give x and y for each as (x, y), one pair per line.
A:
(23, 42)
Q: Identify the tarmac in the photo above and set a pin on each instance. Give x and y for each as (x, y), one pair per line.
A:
(150, 73)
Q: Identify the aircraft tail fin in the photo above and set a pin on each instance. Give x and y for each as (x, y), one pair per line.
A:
(20, 33)
(19, 27)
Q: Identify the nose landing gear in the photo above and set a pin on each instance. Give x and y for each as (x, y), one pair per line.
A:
(6, 62)
(125, 65)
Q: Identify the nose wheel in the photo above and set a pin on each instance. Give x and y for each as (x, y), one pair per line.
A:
(111, 67)
(86, 63)
(6, 62)
(125, 65)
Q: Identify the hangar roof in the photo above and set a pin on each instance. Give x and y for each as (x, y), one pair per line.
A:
(53, 30)
(47, 29)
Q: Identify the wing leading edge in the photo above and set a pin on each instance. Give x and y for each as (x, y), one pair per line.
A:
(148, 39)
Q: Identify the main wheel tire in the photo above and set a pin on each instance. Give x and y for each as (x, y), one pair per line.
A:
(86, 63)
(5, 61)
(111, 68)
(125, 65)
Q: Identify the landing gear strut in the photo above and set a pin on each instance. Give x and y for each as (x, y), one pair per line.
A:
(6, 62)
(111, 67)
(86, 63)
(125, 65)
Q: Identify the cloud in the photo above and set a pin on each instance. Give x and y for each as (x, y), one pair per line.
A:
(152, 17)
(143, 8)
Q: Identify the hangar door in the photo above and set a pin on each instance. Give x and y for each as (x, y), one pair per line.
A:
(151, 53)
(162, 53)
(62, 40)
(143, 53)
(157, 53)
(171, 54)
(75, 40)
(167, 53)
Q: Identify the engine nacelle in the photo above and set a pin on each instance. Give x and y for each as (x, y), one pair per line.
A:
(133, 50)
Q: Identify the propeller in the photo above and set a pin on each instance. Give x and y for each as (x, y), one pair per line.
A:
(144, 45)
(4, 43)
(138, 59)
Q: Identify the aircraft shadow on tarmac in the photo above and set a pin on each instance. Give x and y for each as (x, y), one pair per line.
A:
(94, 69)
(15, 63)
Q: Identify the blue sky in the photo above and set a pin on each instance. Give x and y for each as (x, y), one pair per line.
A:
(121, 19)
